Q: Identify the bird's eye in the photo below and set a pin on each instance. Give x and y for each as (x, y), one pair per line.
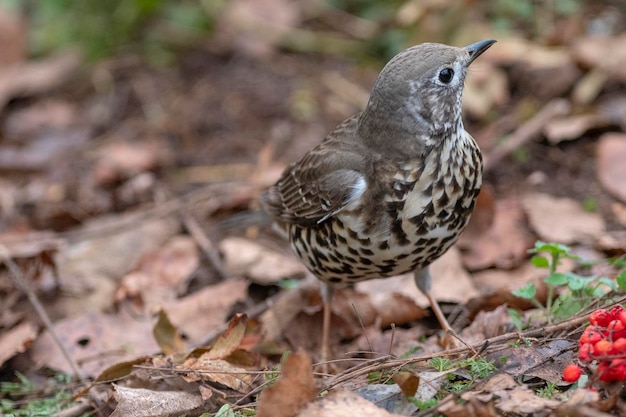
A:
(445, 75)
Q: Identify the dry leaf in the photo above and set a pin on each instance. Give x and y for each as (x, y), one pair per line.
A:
(505, 244)
(141, 402)
(561, 220)
(611, 162)
(573, 127)
(204, 311)
(167, 336)
(293, 390)
(16, 340)
(258, 263)
(228, 341)
(96, 341)
(343, 403)
(407, 381)
(161, 274)
(216, 370)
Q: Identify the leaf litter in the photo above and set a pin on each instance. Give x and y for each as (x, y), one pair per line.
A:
(141, 310)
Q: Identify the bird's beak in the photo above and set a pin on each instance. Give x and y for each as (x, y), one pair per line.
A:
(474, 50)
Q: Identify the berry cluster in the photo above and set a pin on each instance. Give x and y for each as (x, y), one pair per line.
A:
(604, 340)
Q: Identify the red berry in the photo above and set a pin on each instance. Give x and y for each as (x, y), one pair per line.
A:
(615, 311)
(619, 346)
(590, 335)
(602, 348)
(571, 373)
(600, 317)
(621, 316)
(584, 352)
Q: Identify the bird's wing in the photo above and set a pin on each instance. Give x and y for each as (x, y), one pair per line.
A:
(326, 180)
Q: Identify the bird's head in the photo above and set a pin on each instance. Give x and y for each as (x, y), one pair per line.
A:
(420, 89)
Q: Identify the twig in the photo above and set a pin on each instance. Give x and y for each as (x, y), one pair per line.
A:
(493, 343)
(20, 282)
(529, 130)
(205, 243)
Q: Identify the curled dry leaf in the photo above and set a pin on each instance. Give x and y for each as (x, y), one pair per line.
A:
(292, 392)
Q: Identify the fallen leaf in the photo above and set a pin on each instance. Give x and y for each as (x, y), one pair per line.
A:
(561, 220)
(228, 341)
(292, 391)
(342, 403)
(95, 341)
(604, 52)
(167, 336)
(505, 244)
(610, 161)
(407, 381)
(204, 311)
(574, 127)
(16, 340)
(216, 370)
(36, 77)
(387, 397)
(258, 263)
(90, 267)
(141, 402)
(161, 274)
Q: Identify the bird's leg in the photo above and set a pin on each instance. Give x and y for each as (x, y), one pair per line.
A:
(423, 281)
(327, 291)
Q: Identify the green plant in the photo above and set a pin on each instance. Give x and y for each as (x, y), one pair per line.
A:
(23, 398)
(100, 28)
(581, 290)
(548, 391)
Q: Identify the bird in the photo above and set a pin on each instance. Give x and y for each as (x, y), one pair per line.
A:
(390, 189)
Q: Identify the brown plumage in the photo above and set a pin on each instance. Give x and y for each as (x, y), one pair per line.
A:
(391, 188)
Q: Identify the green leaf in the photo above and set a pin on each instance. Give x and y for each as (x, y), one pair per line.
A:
(225, 411)
(577, 283)
(540, 261)
(557, 279)
(516, 318)
(608, 282)
(566, 308)
(527, 292)
(621, 280)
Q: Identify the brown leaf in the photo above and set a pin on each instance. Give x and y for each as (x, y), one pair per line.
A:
(216, 370)
(96, 341)
(505, 244)
(573, 127)
(160, 274)
(167, 336)
(228, 341)
(258, 263)
(30, 78)
(611, 164)
(606, 53)
(561, 220)
(342, 403)
(141, 402)
(16, 340)
(197, 314)
(407, 381)
(293, 390)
